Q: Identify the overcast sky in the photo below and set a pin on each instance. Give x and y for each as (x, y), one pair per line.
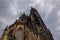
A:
(48, 9)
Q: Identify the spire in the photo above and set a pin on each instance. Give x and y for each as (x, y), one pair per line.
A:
(23, 16)
(33, 10)
(6, 28)
(20, 15)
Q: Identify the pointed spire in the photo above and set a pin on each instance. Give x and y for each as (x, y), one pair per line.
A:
(6, 28)
(20, 15)
(33, 11)
(23, 16)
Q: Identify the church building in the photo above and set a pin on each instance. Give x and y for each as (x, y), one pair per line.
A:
(29, 27)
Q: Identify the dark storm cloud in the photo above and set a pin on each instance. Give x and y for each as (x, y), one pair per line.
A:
(48, 9)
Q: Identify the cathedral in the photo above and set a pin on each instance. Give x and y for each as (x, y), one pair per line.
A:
(29, 27)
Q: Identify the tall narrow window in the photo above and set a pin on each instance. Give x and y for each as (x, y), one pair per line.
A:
(20, 34)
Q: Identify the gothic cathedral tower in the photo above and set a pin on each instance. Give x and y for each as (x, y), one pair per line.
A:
(29, 27)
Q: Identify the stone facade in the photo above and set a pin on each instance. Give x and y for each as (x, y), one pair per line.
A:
(29, 27)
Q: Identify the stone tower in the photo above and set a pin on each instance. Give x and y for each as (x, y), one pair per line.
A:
(29, 27)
